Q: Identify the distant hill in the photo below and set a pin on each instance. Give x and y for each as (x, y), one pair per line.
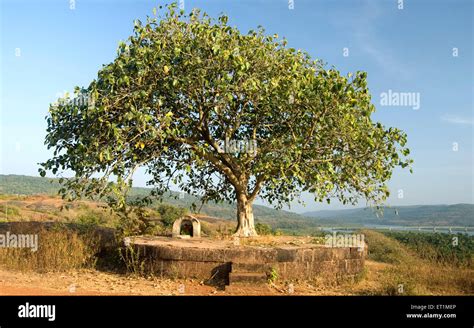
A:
(451, 215)
(28, 185)
(454, 215)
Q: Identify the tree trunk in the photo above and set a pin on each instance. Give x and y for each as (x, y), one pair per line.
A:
(245, 225)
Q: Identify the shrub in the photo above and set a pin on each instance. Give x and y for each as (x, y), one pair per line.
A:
(273, 275)
(169, 213)
(263, 229)
(448, 249)
(91, 218)
(132, 260)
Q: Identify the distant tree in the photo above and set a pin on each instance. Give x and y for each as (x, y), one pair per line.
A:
(224, 115)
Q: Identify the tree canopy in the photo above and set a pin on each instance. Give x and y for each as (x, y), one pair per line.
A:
(182, 87)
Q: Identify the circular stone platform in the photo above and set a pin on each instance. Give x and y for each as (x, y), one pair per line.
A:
(208, 259)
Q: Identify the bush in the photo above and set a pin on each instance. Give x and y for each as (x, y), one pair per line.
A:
(169, 213)
(145, 221)
(273, 276)
(263, 229)
(448, 249)
(91, 218)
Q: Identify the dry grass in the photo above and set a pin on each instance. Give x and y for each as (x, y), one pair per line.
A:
(59, 249)
(392, 268)
(408, 274)
(271, 241)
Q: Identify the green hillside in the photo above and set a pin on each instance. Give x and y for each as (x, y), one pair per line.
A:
(28, 185)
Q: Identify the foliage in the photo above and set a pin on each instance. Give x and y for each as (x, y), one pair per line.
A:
(273, 275)
(91, 219)
(169, 213)
(135, 222)
(449, 249)
(263, 229)
(155, 220)
(182, 85)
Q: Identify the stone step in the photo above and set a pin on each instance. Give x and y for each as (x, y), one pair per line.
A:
(250, 267)
(247, 278)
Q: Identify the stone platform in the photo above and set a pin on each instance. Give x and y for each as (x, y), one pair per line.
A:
(222, 260)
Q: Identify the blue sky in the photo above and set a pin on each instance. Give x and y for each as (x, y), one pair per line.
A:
(48, 48)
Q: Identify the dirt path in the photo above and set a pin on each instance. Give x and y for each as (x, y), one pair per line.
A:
(92, 282)
(89, 282)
